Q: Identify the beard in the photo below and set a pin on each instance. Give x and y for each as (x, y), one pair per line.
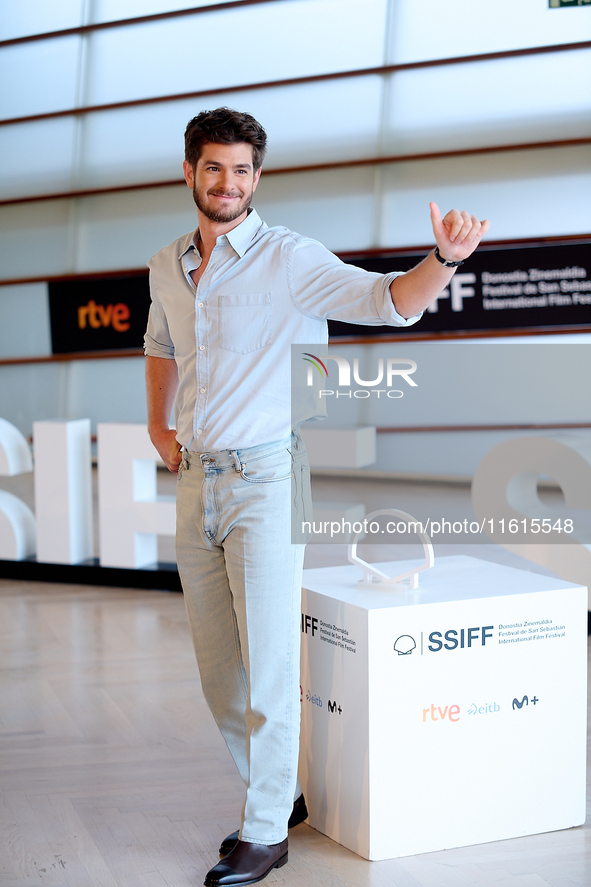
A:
(222, 214)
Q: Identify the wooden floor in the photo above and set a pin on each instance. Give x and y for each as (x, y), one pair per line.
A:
(112, 773)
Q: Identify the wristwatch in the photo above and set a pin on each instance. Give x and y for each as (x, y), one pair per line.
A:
(443, 261)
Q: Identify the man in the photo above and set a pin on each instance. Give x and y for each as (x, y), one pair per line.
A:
(228, 300)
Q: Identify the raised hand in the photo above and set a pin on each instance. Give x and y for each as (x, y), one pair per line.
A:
(457, 234)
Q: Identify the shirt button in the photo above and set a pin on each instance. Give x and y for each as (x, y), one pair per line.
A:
(200, 305)
(200, 431)
(202, 390)
(202, 348)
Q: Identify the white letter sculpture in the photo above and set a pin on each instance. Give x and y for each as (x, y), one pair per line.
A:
(505, 486)
(131, 514)
(17, 521)
(63, 491)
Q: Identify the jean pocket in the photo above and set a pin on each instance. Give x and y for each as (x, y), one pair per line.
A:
(245, 322)
(269, 468)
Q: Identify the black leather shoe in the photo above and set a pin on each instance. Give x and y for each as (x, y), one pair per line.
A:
(298, 814)
(247, 864)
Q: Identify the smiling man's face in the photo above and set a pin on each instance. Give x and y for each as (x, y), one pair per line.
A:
(223, 181)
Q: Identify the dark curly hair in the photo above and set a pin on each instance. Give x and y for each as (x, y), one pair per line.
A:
(227, 127)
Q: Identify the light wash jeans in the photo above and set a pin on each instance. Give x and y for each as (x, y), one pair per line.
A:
(241, 578)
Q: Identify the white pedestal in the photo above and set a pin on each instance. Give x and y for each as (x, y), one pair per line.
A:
(442, 717)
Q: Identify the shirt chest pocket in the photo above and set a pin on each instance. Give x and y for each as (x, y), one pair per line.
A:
(245, 322)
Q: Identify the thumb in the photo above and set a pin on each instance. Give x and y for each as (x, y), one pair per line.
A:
(435, 215)
(436, 220)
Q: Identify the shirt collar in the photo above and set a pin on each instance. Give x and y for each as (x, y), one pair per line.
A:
(187, 243)
(239, 237)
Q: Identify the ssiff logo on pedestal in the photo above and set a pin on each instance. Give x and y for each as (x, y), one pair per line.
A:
(451, 639)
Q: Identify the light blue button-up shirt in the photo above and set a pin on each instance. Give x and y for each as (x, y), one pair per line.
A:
(263, 290)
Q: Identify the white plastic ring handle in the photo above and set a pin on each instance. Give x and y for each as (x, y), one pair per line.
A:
(374, 578)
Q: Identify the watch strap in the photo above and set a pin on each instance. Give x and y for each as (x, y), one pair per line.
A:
(443, 261)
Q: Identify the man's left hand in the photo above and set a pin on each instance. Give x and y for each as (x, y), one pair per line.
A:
(457, 233)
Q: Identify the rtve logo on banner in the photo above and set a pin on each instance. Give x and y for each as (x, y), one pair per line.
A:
(98, 316)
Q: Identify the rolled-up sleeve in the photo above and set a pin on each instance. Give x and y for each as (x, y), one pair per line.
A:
(323, 286)
(385, 304)
(157, 340)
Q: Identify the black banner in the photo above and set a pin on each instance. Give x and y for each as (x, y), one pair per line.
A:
(109, 313)
(496, 289)
(517, 288)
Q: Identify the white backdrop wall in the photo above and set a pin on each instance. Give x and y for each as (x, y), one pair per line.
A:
(526, 193)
